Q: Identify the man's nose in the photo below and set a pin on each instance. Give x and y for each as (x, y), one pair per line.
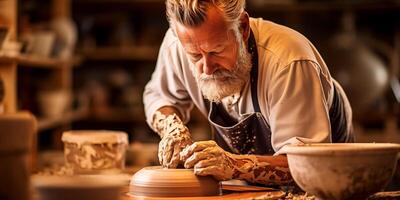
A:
(209, 66)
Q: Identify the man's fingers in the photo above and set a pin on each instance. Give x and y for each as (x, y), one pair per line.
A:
(168, 150)
(195, 147)
(160, 153)
(166, 158)
(215, 171)
(196, 157)
(173, 163)
(182, 147)
(206, 163)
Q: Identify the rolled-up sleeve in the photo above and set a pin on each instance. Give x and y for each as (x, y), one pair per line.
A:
(299, 112)
(165, 87)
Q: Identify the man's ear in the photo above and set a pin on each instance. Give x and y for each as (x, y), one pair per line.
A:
(245, 25)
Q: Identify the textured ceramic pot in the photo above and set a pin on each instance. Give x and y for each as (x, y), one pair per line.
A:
(342, 171)
(93, 151)
(158, 182)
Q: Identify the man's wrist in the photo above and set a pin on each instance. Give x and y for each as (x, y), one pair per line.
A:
(242, 165)
(159, 122)
(168, 124)
(254, 169)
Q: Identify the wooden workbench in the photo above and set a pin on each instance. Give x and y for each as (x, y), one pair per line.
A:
(225, 195)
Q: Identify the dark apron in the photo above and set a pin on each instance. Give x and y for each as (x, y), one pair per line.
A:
(252, 134)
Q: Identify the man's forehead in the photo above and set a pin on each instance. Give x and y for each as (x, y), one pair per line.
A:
(209, 40)
(211, 33)
(210, 43)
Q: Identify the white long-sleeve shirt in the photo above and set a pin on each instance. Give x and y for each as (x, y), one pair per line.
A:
(295, 88)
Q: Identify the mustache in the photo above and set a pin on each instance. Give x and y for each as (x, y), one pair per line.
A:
(217, 75)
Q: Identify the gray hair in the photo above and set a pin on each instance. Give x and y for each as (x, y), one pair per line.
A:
(193, 12)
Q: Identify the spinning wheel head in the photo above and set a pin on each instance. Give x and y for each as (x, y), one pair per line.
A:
(158, 182)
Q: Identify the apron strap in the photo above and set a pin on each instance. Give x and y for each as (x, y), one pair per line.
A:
(337, 116)
(252, 49)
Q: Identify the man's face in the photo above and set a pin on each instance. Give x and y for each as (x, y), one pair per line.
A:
(222, 63)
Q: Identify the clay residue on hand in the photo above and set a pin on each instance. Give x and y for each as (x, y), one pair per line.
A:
(207, 158)
(174, 137)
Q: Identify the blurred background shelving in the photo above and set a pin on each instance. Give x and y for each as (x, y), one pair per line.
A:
(89, 60)
(133, 53)
(320, 21)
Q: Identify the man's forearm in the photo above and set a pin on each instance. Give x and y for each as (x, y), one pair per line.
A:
(168, 110)
(160, 115)
(267, 170)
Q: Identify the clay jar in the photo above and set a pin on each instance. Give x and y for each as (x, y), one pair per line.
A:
(94, 151)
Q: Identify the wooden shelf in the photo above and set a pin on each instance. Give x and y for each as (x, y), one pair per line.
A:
(255, 5)
(117, 115)
(107, 5)
(47, 123)
(136, 53)
(125, 2)
(32, 61)
(7, 59)
(39, 62)
(261, 5)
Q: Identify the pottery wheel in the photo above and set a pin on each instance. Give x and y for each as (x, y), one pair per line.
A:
(158, 182)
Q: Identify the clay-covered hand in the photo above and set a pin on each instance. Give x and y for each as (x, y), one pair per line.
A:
(174, 137)
(207, 158)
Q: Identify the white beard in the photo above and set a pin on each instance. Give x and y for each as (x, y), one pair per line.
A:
(223, 83)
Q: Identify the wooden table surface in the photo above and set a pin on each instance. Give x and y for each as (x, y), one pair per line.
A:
(278, 194)
(225, 195)
(234, 193)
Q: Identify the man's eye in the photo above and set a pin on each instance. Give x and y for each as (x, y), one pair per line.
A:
(215, 53)
(195, 56)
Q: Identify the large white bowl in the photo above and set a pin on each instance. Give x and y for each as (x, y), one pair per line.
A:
(342, 171)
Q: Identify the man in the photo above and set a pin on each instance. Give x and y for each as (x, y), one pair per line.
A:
(262, 86)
